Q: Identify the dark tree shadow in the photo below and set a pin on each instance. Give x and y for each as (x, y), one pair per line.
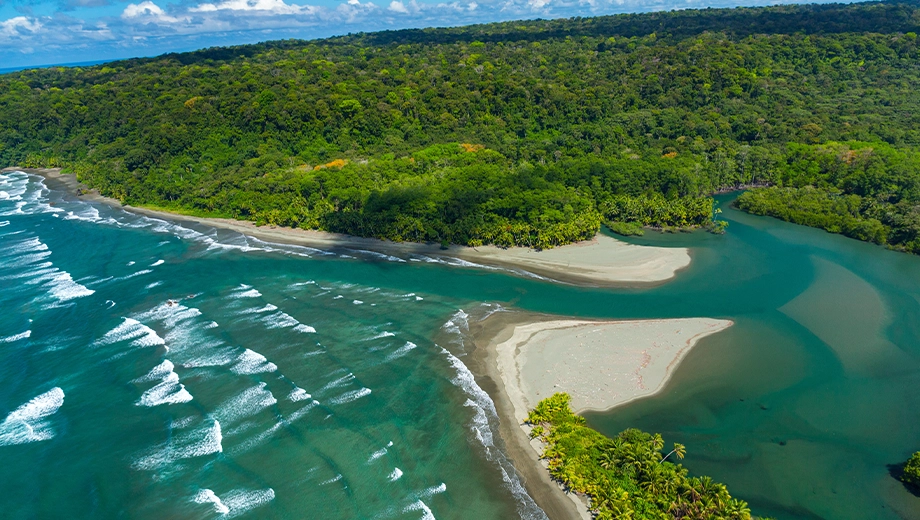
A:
(896, 471)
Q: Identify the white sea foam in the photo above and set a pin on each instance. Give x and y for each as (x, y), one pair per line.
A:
(241, 501)
(16, 337)
(132, 330)
(158, 262)
(383, 334)
(375, 254)
(27, 423)
(430, 491)
(169, 313)
(357, 302)
(29, 245)
(350, 396)
(401, 351)
(279, 320)
(347, 378)
(157, 373)
(177, 424)
(132, 275)
(37, 274)
(246, 291)
(377, 454)
(298, 394)
(63, 288)
(202, 441)
(32, 252)
(152, 285)
(332, 480)
(304, 329)
(258, 310)
(418, 505)
(395, 475)
(206, 496)
(458, 322)
(485, 418)
(87, 213)
(246, 403)
(251, 362)
(26, 259)
(167, 391)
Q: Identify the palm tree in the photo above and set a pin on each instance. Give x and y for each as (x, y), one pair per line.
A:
(657, 442)
(679, 451)
(608, 459)
(738, 509)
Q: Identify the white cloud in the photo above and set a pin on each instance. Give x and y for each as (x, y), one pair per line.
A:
(354, 11)
(398, 7)
(266, 6)
(16, 26)
(147, 11)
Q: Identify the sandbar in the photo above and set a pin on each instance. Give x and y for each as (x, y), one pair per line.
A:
(602, 261)
(523, 358)
(600, 364)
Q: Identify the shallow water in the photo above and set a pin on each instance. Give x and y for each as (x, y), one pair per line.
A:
(802, 405)
(154, 370)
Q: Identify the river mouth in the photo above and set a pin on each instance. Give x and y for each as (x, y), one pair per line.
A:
(804, 404)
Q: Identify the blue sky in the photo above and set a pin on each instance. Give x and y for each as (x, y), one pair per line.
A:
(34, 32)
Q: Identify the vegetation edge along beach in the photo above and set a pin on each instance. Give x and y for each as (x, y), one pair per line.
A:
(528, 133)
(516, 361)
(602, 261)
(632, 475)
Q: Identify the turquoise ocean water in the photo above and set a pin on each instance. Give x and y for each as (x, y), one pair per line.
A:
(156, 370)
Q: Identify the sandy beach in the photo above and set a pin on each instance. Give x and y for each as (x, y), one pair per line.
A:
(603, 261)
(523, 358)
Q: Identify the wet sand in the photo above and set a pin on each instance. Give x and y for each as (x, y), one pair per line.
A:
(522, 358)
(602, 261)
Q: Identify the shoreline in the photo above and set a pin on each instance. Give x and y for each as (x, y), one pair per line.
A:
(499, 341)
(601, 262)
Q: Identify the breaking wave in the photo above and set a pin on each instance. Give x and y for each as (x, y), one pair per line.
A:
(27, 423)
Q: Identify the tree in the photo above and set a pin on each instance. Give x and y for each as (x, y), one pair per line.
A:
(679, 451)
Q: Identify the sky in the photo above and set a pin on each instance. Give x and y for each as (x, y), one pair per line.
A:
(38, 32)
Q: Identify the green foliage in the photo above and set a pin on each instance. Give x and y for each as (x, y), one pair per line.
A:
(866, 191)
(626, 229)
(519, 133)
(627, 476)
(911, 474)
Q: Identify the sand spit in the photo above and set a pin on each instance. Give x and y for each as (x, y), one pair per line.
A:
(600, 364)
(603, 261)
(522, 358)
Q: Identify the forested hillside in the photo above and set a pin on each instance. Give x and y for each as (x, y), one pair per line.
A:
(531, 133)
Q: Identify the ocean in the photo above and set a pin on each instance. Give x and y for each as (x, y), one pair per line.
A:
(152, 370)
(155, 369)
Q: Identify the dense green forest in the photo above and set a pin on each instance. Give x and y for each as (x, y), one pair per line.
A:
(911, 472)
(530, 133)
(629, 476)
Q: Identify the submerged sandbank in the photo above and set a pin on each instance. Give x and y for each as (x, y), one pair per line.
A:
(524, 358)
(603, 261)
